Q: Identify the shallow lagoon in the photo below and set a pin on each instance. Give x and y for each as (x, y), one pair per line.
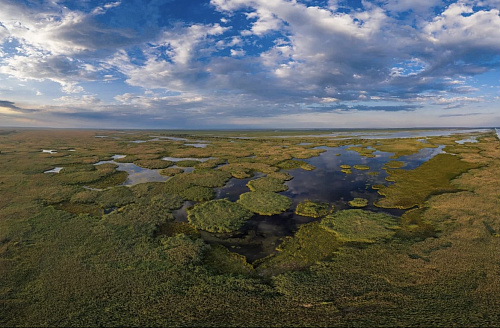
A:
(387, 134)
(260, 235)
(136, 174)
(471, 140)
(54, 170)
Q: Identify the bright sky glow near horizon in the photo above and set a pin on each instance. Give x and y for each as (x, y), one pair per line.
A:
(191, 64)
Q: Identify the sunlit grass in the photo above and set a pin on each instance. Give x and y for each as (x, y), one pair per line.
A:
(280, 175)
(218, 215)
(264, 202)
(358, 202)
(402, 146)
(361, 167)
(153, 163)
(267, 184)
(393, 165)
(247, 169)
(363, 151)
(359, 225)
(313, 209)
(171, 171)
(413, 187)
(197, 193)
(378, 186)
(295, 164)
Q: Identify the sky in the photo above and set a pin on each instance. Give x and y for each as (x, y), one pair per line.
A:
(230, 64)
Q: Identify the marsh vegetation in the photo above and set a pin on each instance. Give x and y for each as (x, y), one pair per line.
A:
(313, 209)
(218, 215)
(257, 231)
(265, 202)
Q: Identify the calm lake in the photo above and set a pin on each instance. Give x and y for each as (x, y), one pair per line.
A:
(260, 235)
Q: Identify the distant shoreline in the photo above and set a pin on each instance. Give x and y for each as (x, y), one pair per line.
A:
(253, 129)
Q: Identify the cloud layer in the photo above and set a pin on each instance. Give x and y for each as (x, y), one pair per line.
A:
(269, 63)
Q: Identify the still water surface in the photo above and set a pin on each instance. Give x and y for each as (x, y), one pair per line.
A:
(260, 235)
(136, 174)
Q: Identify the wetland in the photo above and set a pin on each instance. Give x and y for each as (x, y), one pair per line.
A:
(249, 228)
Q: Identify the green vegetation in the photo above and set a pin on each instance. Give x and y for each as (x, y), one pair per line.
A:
(264, 202)
(65, 263)
(209, 178)
(187, 163)
(313, 209)
(358, 202)
(211, 163)
(309, 245)
(361, 167)
(110, 180)
(363, 151)
(115, 197)
(247, 169)
(267, 184)
(223, 261)
(413, 187)
(345, 166)
(280, 175)
(171, 171)
(359, 225)
(402, 146)
(295, 164)
(85, 197)
(174, 228)
(153, 163)
(197, 193)
(95, 176)
(127, 159)
(378, 186)
(218, 215)
(415, 226)
(394, 165)
(346, 171)
(181, 184)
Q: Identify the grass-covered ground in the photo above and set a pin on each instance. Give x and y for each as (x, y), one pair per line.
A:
(313, 209)
(358, 202)
(264, 202)
(116, 256)
(218, 215)
(360, 226)
(267, 184)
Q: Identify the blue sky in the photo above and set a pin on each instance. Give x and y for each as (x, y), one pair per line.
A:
(189, 64)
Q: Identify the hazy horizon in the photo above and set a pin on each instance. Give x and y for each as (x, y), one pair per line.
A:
(252, 129)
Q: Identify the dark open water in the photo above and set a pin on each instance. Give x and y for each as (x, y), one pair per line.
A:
(260, 235)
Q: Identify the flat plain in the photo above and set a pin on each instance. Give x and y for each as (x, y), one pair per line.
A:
(249, 228)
